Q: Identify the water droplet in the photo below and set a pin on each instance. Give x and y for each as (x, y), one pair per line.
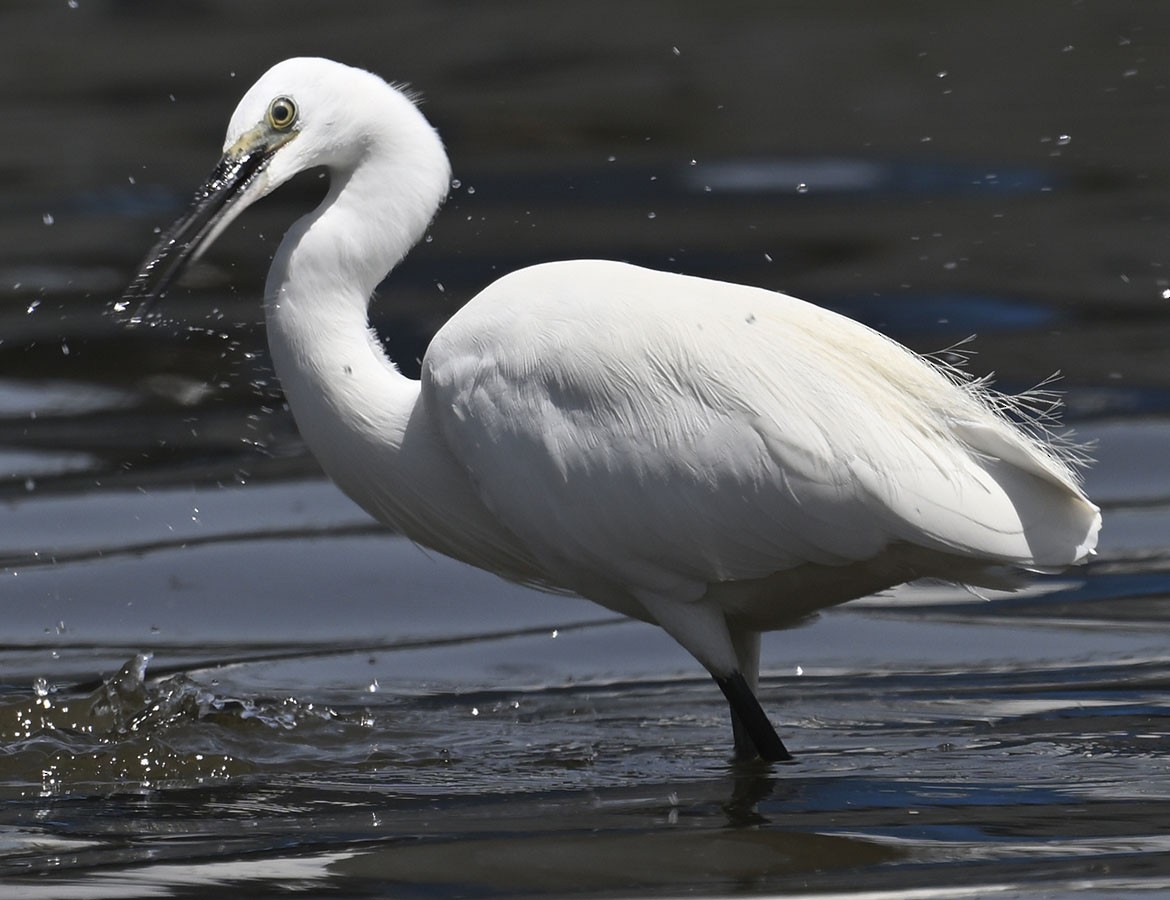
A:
(48, 219)
(800, 670)
(1064, 140)
(942, 74)
(72, 4)
(41, 687)
(32, 307)
(470, 189)
(676, 51)
(611, 158)
(64, 349)
(456, 184)
(555, 633)
(651, 215)
(1166, 294)
(372, 687)
(475, 711)
(802, 188)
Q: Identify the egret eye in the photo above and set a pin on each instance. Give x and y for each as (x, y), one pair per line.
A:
(282, 112)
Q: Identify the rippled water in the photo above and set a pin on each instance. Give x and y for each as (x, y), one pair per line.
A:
(216, 674)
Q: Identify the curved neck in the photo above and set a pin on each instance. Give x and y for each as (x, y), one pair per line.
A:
(364, 421)
(375, 211)
(323, 274)
(346, 395)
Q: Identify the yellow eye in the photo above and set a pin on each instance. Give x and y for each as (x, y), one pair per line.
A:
(282, 112)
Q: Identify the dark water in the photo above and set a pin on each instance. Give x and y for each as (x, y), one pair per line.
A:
(217, 675)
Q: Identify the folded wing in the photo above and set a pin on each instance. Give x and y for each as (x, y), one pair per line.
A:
(666, 432)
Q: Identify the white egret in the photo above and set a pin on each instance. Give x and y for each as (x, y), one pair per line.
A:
(716, 459)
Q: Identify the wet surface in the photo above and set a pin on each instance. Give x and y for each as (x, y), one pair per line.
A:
(217, 674)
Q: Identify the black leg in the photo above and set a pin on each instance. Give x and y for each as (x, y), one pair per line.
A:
(747, 713)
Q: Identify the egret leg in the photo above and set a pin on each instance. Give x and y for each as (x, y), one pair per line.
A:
(725, 652)
(745, 747)
(747, 654)
(746, 645)
(754, 733)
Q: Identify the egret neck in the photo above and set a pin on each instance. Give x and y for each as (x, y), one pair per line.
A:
(362, 418)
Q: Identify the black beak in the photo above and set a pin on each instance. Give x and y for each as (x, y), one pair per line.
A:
(186, 239)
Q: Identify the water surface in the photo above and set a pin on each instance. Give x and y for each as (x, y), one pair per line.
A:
(217, 674)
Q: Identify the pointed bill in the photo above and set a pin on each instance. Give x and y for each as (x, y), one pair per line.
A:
(227, 192)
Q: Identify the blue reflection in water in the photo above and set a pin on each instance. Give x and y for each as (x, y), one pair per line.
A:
(844, 175)
(946, 313)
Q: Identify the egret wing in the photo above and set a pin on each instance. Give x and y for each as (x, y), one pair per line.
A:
(667, 432)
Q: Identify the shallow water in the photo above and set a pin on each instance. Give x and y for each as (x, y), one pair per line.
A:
(216, 674)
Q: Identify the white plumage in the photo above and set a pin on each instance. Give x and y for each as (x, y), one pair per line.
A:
(714, 458)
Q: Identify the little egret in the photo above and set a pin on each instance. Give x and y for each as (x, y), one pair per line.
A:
(716, 459)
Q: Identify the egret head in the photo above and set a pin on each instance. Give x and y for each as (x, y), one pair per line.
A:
(303, 113)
